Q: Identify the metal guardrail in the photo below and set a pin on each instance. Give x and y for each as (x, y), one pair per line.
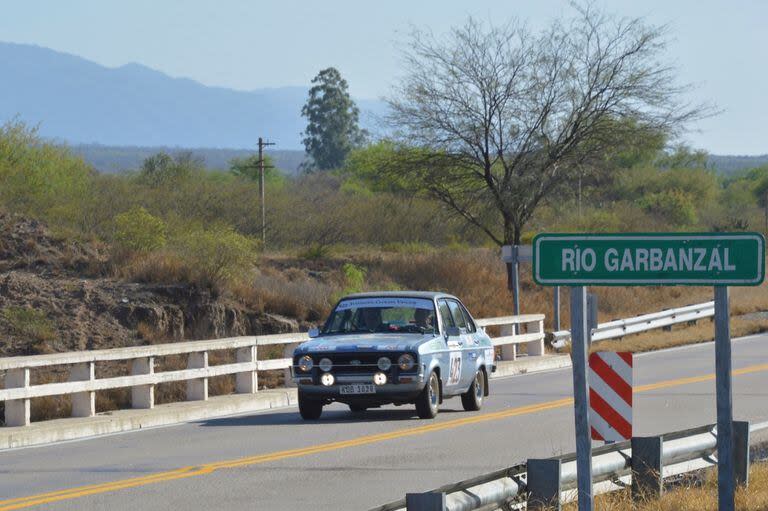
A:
(642, 323)
(82, 383)
(681, 452)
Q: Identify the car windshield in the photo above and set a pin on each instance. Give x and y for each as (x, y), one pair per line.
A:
(382, 315)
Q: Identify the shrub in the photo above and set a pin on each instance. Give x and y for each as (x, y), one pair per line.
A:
(354, 278)
(162, 169)
(675, 206)
(218, 255)
(32, 324)
(39, 178)
(139, 231)
(315, 252)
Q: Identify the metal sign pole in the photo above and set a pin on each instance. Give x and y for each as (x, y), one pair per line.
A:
(725, 472)
(579, 352)
(557, 308)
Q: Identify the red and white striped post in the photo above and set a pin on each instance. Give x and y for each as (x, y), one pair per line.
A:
(610, 396)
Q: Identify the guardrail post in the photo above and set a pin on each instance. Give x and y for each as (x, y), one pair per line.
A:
(647, 477)
(83, 403)
(197, 388)
(247, 382)
(429, 501)
(741, 452)
(536, 348)
(17, 410)
(508, 351)
(543, 484)
(143, 396)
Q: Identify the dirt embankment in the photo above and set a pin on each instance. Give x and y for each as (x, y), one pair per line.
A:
(56, 295)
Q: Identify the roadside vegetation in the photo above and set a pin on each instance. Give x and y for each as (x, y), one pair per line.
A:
(175, 221)
(428, 207)
(700, 495)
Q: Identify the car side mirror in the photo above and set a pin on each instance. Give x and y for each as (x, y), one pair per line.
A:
(313, 332)
(452, 331)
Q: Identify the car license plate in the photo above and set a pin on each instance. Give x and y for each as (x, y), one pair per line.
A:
(357, 388)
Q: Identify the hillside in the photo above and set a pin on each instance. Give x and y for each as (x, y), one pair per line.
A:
(729, 164)
(82, 102)
(57, 295)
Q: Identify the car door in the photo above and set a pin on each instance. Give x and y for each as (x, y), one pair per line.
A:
(452, 360)
(466, 345)
(481, 349)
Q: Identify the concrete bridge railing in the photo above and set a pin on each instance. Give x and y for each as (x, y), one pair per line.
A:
(82, 383)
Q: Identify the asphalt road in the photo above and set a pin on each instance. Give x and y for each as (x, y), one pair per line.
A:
(274, 461)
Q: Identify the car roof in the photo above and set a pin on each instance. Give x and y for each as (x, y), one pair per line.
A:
(429, 295)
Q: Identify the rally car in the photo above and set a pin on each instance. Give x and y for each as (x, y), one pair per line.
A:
(394, 348)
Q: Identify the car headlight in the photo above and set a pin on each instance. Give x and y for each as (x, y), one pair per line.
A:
(306, 363)
(325, 364)
(384, 363)
(406, 362)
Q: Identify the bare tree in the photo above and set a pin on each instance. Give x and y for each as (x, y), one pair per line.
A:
(491, 120)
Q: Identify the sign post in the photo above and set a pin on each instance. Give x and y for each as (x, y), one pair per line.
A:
(726, 477)
(653, 259)
(579, 353)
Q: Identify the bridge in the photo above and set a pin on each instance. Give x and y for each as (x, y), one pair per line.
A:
(273, 460)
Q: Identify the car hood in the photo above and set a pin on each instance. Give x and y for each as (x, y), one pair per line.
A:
(365, 342)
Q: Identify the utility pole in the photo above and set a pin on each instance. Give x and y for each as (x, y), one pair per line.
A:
(263, 144)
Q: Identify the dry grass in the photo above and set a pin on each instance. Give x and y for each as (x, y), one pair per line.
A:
(478, 277)
(701, 496)
(156, 267)
(291, 293)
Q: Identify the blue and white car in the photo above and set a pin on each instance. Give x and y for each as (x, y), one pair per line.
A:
(394, 348)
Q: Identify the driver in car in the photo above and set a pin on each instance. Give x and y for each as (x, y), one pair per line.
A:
(371, 319)
(423, 318)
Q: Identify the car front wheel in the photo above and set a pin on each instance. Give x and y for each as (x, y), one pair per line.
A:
(429, 398)
(309, 409)
(472, 399)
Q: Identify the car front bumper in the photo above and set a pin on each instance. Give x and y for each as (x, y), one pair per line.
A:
(408, 386)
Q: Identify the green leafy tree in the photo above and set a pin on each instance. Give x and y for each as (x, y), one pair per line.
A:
(332, 121)
(760, 192)
(248, 168)
(673, 205)
(163, 169)
(683, 157)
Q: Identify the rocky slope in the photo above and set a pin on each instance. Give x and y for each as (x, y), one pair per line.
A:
(55, 295)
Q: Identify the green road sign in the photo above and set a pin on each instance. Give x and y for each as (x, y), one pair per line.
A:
(669, 259)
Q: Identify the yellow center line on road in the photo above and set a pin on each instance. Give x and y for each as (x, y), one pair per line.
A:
(208, 468)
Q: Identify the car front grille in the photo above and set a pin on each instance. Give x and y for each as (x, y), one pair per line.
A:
(356, 363)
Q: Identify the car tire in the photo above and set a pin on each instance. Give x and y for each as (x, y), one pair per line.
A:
(428, 400)
(472, 399)
(357, 408)
(309, 409)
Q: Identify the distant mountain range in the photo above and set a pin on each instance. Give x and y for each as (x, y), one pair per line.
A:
(728, 164)
(116, 117)
(81, 102)
(113, 159)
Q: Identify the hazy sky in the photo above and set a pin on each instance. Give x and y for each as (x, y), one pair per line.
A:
(718, 45)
